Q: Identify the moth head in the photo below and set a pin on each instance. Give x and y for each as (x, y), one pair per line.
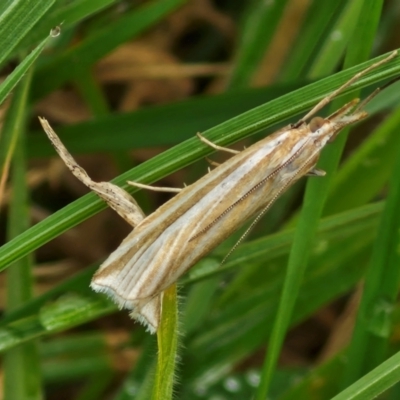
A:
(316, 123)
(325, 130)
(321, 130)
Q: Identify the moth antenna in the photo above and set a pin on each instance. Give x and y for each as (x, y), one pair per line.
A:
(326, 100)
(264, 210)
(253, 189)
(375, 93)
(248, 230)
(215, 146)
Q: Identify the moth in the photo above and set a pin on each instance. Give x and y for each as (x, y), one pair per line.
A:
(165, 244)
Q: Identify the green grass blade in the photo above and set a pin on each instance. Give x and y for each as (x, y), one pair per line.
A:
(258, 31)
(373, 324)
(332, 50)
(61, 371)
(316, 27)
(19, 219)
(21, 364)
(164, 125)
(17, 20)
(53, 314)
(365, 32)
(375, 382)
(167, 338)
(79, 283)
(199, 300)
(314, 199)
(64, 313)
(9, 83)
(92, 93)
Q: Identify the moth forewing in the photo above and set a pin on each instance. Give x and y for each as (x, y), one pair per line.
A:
(164, 245)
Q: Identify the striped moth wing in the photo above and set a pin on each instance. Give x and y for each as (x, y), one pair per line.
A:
(179, 233)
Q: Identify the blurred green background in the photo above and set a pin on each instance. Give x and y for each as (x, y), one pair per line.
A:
(306, 308)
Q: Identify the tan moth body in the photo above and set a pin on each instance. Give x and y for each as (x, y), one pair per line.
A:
(164, 245)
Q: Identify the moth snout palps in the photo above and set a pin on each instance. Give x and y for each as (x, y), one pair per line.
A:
(165, 244)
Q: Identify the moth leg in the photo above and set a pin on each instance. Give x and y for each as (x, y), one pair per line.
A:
(215, 146)
(154, 188)
(213, 163)
(118, 199)
(316, 172)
